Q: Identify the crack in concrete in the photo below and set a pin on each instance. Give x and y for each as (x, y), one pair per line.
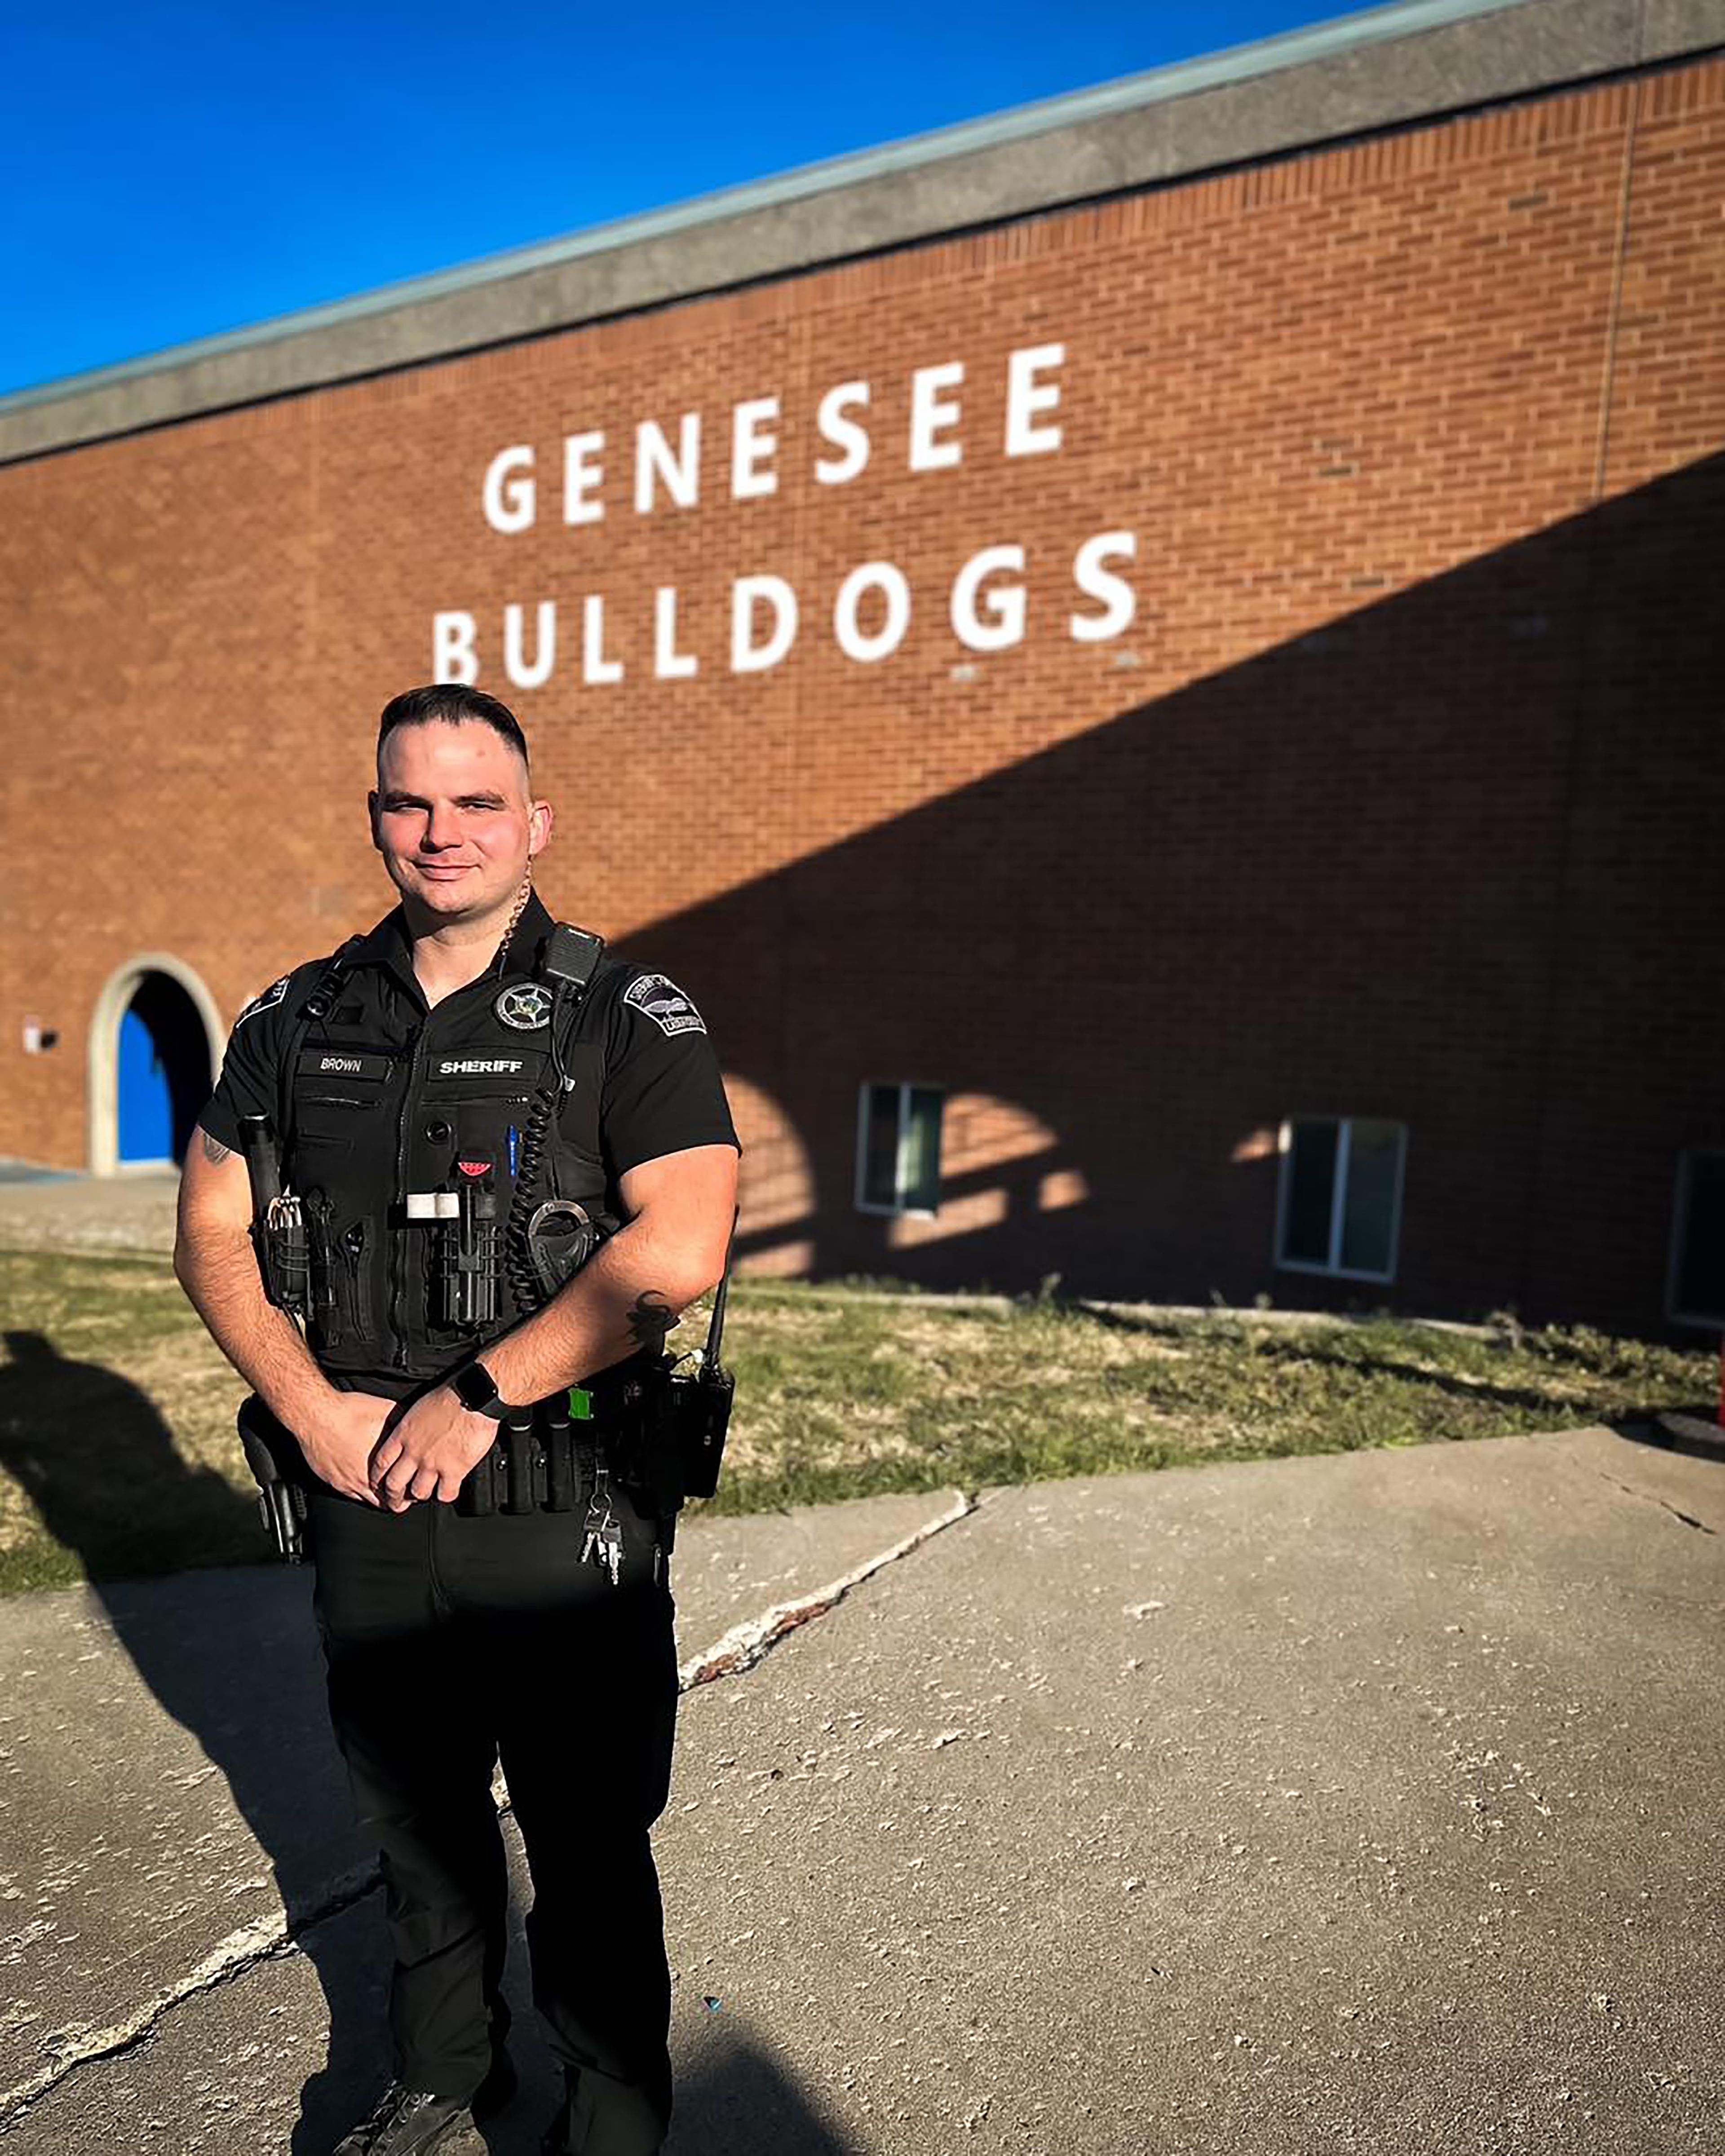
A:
(270, 1937)
(745, 1644)
(273, 1936)
(1629, 1490)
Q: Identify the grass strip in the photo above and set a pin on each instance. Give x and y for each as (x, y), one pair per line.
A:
(118, 1456)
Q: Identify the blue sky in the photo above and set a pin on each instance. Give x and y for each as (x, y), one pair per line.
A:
(186, 167)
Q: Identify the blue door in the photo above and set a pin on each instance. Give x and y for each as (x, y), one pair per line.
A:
(164, 1072)
(145, 1104)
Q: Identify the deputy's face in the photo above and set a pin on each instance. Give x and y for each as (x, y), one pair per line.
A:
(452, 819)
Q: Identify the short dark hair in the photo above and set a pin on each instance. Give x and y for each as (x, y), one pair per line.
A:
(452, 702)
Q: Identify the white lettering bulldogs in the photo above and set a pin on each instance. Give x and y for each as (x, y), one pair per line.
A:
(273, 994)
(665, 1003)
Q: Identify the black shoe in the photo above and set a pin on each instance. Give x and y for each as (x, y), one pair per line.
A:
(407, 2121)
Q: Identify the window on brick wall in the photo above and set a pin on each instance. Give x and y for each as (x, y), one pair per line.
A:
(1339, 1207)
(898, 1148)
(1698, 1286)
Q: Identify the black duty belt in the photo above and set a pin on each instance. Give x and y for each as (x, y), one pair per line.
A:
(546, 1460)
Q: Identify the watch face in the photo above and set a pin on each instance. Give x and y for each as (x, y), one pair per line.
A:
(474, 1388)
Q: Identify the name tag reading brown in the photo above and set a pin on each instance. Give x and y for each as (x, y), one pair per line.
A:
(345, 1064)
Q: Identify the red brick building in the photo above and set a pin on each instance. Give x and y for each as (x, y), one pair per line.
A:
(1155, 665)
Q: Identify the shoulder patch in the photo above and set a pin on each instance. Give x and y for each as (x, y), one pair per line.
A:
(665, 1003)
(273, 994)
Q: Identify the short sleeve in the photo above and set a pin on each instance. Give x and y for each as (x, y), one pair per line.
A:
(248, 1084)
(662, 1092)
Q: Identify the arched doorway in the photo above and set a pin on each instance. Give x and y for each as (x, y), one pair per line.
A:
(156, 1041)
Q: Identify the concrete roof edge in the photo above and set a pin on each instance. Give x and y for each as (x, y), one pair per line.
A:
(1387, 66)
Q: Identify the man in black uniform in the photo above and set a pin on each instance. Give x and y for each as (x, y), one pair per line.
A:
(463, 1105)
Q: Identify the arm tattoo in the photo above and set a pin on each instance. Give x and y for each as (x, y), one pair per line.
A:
(214, 1151)
(650, 1319)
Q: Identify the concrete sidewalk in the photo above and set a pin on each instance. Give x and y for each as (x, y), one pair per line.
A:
(47, 1209)
(1352, 1803)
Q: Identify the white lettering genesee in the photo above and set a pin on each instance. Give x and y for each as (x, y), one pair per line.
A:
(510, 494)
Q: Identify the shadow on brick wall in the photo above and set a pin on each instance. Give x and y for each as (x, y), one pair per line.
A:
(1447, 860)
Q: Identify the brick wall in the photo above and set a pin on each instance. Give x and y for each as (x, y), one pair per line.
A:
(1392, 799)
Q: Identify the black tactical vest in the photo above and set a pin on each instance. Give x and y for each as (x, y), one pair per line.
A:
(423, 1161)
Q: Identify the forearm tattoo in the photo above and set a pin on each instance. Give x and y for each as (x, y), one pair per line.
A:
(651, 1319)
(214, 1151)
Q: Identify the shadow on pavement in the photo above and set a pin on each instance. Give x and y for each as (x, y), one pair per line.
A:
(232, 1657)
(742, 2103)
(1694, 1432)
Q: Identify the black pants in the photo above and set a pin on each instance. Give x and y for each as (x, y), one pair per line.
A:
(451, 1641)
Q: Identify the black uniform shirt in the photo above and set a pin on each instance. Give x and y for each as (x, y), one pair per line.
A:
(661, 1090)
(390, 1099)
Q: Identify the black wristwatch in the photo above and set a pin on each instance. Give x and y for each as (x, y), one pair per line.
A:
(476, 1389)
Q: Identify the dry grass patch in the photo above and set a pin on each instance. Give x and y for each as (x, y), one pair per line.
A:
(118, 1455)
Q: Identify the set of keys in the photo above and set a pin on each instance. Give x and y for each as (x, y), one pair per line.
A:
(603, 1535)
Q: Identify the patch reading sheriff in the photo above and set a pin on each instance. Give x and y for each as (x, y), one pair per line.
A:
(273, 994)
(665, 1003)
